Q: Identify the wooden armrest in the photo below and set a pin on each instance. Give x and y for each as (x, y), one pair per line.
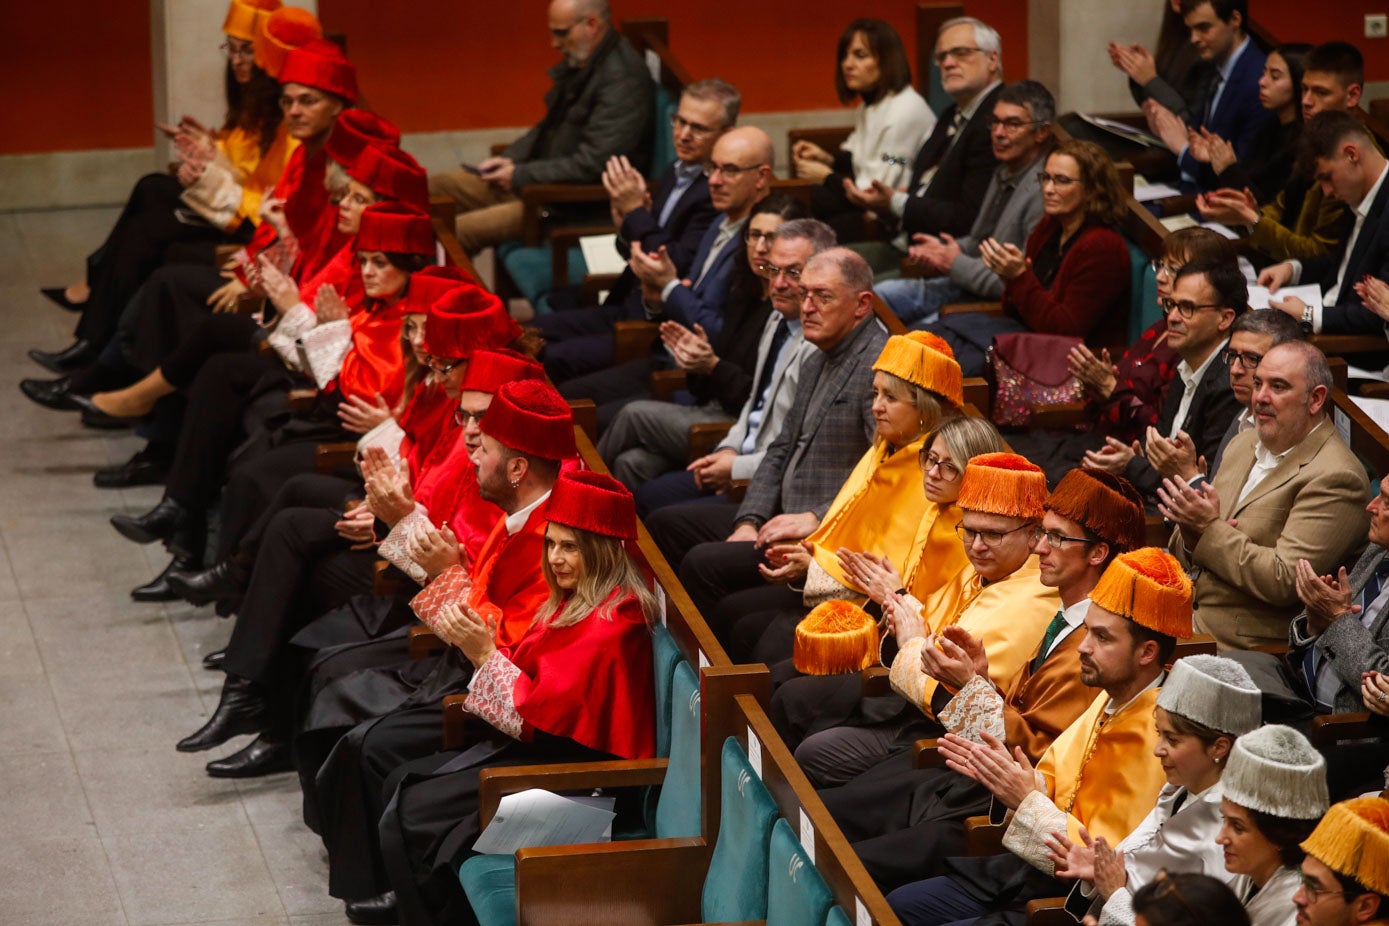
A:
(829, 139)
(386, 582)
(983, 837)
(302, 400)
(797, 188)
(596, 283)
(1177, 205)
(424, 641)
(586, 417)
(1156, 531)
(1374, 390)
(1201, 644)
(703, 437)
(1332, 730)
(1063, 415)
(977, 393)
(666, 383)
(874, 682)
(331, 457)
(541, 193)
(561, 240)
(1334, 344)
(925, 754)
(911, 270)
(456, 721)
(1049, 911)
(494, 783)
(985, 308)
(661, 881)
(249, 304)
(632, 340)
(738, 490)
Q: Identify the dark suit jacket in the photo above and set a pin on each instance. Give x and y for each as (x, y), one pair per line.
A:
(1369, 255)
(1348, 646)
(681, 235)
(820, 441)
(956, 192)
(730, 381)
(591, 114)
(1238, 117)
(1212, 409)
(702, 303)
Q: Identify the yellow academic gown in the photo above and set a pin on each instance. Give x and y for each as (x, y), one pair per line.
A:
(230, 189)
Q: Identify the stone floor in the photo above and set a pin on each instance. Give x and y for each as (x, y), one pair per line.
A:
(103, 822)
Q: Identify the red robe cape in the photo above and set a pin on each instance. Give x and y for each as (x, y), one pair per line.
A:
(429, 429)
(375, 364)
(311, 216)
(507, 574)
(449, 491)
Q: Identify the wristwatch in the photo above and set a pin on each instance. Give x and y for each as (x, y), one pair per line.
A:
(1307, 316)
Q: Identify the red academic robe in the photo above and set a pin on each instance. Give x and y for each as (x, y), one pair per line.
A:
(311, 216)
(507, 574)
(341, 273)
(429, 429)
(449, 491)
(375, 364)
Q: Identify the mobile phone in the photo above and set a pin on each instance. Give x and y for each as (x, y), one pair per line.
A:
(471, 169)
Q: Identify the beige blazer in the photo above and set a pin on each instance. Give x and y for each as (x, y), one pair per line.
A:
(1310, 506)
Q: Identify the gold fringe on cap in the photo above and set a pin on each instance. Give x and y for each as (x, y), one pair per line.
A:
(1004, 483)
(834, 638)
(1353, 840)
(1106, 505)
(926, 360)
(1149, 587)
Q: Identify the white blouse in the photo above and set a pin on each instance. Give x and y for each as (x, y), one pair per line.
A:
(896, 125)
(1273, 905)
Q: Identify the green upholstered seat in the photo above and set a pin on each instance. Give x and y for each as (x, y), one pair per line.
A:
(796, 893)
(735, 888)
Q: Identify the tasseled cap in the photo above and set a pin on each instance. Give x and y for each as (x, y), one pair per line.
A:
(246, 18)
(1004, 483)
(1353, 840)
(1106, 505)
(396, 228)
(530, 417)
(467, 318)
(392, 174)
(593, 502)
(1276, 770)
(489, 369)
(280, 33)
(834, 638)
(1149, 587)
(926, 360)
(356, 130)
(1213, 691)
(321, 64)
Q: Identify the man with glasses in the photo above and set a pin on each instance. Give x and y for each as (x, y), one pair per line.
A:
(1020, 131)
(1288, 490)
(1198, 406)
(1345, 875)
(599, 107)
(953, 168)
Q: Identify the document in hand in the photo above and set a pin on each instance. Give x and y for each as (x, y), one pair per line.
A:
(543, 818)
(1309, 293)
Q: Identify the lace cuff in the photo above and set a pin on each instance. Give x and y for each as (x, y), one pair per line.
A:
(490, 695)
(1118, 909)
(1035, 819)
(394, 548)
(291, 325)
(216, 196)
(976, 709)
(906, 676)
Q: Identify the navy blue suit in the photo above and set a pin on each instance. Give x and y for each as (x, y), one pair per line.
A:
(1370, 255)
(1237, 117)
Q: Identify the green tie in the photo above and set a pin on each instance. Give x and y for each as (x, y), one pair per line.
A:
(1053, 630)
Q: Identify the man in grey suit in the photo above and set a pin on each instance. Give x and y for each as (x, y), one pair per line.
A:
(1020, 130)
(717, 548)
(600, 106)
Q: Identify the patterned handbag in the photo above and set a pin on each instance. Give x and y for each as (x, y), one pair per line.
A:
(1030, 370)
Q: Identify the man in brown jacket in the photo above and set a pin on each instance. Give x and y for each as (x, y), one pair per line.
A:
(1289, 489)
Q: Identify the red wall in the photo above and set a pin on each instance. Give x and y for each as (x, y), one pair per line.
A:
(1290, 21)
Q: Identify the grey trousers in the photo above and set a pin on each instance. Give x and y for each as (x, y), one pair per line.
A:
(648, 438)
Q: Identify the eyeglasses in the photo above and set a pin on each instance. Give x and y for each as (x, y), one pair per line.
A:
(445, 367)
(959, 53)
(1186, 308)
(1160, 267)
(1056, 538)
(461, 416)
(929, 461)
(246, 50)
(990, 538)
(728, 170)
(1012, 125)
(1312, 887)
(679, 123)
(1058, 180)
(772, 271)
(1247, 358)
(821, 297)
(756, 235)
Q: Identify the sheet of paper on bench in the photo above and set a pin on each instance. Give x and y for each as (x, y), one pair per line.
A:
(1377, 409)
(1309, 293)
(600, 253)
(1147, 192)
(1123, 130)
(1355, 372)
(542, 818)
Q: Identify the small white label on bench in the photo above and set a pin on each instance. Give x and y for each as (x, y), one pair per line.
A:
(703, 660)
(661, 603)
(861, 917)
(807, 835)
(754, 752)
(1342, 425)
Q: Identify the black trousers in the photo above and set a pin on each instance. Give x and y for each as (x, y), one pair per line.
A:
(766, 613)
(577, 342)
(166, 311)
(677, 529)
(215, 334)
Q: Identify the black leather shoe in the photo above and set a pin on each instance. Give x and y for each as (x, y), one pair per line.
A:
(93, 417)
(378, 911)
(58, 295)
(222, 582)
(214, 660)
(76, 355)
(157, 589)
(50, 393)
(260, 757)
(159, 523)
(143, 469)
(240, 710)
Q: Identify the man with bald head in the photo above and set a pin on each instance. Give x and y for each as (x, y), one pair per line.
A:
(599, 107)
(740, 172)
(1289, 489)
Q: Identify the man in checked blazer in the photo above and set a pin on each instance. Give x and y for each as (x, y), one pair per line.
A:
(1287, 490)
(717, 547)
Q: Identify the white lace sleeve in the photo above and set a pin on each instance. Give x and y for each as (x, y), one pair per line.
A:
(1118, 909)
(976, 709)
(491, 695)
(906, 676)
(292, 324)
(395, 547)
(1035, 819)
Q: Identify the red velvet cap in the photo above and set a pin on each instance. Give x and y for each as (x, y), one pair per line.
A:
(396, 228)
(281, 32)
(593, 502)
(428, 285)
(489, 369)
(468, 318)
(246, 18)
(355, 130)
(321, 64)
(391, 173)
(530, 417)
